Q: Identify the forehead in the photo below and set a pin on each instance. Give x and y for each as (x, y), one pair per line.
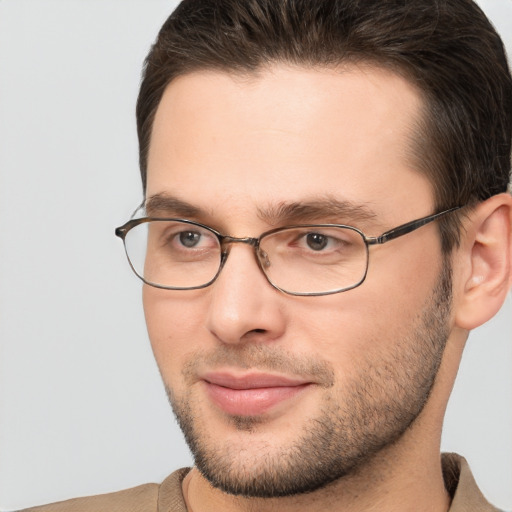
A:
(286, 133)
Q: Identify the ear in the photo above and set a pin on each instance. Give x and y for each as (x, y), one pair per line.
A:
(486, 255)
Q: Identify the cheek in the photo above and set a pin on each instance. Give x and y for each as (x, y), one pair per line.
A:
(401, 276)
(174, 326)
(373, 318)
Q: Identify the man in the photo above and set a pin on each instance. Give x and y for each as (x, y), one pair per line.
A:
(326, 217)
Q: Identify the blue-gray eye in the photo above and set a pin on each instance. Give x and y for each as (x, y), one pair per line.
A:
(189, 238)
(317, 241)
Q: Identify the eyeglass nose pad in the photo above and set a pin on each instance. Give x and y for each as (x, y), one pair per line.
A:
(263, 257)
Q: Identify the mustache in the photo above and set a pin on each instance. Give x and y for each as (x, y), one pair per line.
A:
(262, 358)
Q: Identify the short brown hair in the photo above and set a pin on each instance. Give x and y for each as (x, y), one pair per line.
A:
(447, 48)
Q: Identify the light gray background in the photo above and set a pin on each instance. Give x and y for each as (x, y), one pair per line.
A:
(82, 410)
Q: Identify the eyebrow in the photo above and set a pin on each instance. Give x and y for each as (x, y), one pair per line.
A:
(326, 210)
(329, 210)
(167, 205)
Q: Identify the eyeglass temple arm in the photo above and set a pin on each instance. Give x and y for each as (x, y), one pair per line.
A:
(407, 227)
(121, 231)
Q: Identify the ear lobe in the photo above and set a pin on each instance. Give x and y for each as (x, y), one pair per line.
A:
(487, 248)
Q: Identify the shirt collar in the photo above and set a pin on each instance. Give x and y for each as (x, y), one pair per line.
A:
(459, 481)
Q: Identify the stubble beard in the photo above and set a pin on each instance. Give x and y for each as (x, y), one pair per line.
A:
(372, 413)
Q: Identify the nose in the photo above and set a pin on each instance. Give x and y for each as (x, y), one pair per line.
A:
(243, 305)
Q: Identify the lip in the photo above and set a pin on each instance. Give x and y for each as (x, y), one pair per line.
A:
(251, 394)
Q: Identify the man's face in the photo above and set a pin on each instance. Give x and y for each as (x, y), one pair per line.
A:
(279, 394)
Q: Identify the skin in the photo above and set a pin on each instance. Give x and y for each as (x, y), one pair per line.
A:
(234, 146)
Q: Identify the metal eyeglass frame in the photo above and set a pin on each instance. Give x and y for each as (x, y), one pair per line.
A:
(225, 240)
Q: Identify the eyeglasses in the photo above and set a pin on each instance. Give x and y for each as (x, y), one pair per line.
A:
(309, 259)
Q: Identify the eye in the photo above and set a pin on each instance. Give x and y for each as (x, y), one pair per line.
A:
(317, 241)
(322, 244)
(189, 238)
(182, 237)
(325, 241)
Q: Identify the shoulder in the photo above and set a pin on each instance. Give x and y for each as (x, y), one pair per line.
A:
(144, 498)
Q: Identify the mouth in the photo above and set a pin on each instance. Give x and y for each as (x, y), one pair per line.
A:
(251, 394)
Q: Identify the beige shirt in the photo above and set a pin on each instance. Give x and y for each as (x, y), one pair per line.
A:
(168, 496)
